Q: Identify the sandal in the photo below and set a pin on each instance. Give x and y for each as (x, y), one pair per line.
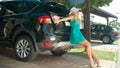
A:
(96, 62)
(98, 67)
(92, 65)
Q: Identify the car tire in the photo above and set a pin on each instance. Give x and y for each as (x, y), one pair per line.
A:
(24, 49)
(107, 40)
(58, 53)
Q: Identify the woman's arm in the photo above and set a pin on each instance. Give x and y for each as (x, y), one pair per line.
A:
(64, 19)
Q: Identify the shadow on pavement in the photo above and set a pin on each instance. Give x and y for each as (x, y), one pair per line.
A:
(43, 60)
(7, 52)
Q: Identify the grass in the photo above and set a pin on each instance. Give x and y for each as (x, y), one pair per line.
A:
(106, 55)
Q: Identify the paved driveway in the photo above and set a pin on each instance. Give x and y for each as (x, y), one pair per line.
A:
(47, 60)
(44, 60)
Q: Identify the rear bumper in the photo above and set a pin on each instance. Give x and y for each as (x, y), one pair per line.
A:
(115, 37)
(60, 46)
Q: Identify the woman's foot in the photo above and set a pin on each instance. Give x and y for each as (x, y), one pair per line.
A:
(98, 67)
(92, 65)
(96, 61)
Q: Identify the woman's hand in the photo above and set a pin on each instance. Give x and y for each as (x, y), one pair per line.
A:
(56, 21)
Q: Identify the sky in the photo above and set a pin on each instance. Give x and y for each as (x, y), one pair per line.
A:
(113, 8)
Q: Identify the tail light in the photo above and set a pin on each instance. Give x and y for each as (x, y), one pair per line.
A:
(46, 19)
(115, 33)
(47, 43)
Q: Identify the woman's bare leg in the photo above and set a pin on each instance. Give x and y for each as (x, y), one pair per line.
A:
(91, 54)
(95, 58)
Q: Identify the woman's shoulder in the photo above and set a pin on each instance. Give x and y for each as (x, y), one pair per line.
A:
(72, 17)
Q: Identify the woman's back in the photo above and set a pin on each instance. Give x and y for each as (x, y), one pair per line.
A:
(75, 23)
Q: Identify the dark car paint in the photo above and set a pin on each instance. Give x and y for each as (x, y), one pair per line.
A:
(99, 34)
(26, 19)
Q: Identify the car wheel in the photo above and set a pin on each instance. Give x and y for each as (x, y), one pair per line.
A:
(58, 53)
(107, 39)
(24, 49)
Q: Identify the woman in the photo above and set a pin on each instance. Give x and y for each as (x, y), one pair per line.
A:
(76, 36)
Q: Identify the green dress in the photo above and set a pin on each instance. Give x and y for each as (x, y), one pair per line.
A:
(75, 35)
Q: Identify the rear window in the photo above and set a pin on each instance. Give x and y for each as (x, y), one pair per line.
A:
(57, 8)
(21, 7)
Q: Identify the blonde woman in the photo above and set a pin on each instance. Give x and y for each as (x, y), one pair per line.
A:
(76, 37)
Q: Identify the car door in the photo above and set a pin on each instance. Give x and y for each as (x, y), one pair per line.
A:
(94, 31)
(6, 23)
(2, 22)
(102, 31)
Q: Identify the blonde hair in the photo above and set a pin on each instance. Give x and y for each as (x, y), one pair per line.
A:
(75, 16)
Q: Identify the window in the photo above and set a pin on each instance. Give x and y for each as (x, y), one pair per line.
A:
(93, 27)
(8, 12)
(0, 7)
(1, 10)
(102, 28)
(21, 7)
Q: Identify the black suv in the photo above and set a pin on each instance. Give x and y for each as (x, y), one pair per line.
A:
(104, 32)
(21, 30)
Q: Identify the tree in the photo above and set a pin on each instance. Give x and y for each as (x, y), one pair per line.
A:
(100, 3)
(86, 7)
(93, 3)
(115, 24)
